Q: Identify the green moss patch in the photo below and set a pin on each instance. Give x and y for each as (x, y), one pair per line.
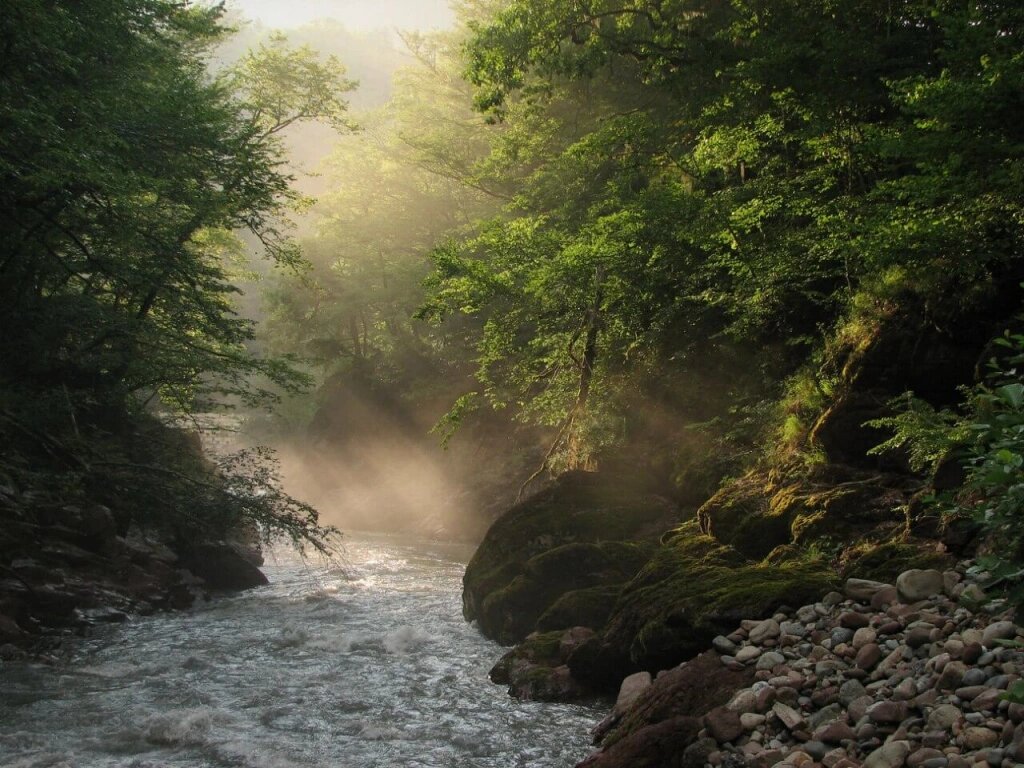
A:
(584, 531)
(885, 561)
(695, 588)
(581, 608)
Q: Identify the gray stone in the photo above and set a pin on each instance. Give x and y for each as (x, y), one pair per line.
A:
(944, 717)
(841, 635)
(743, 701)
(723, 724)
(1000, 630)
(853, 620)
(747, 653)
(868, 656)
(951, 677)
(769, 660)
(978, 738)
(863, 636)
(917, 584)
(905, 690)
(850, 690)
(724, 645)
(920, 756)
(834, 733)
(751, 720)
(972, 594)
(974, 676)
(788, 716)
(793, 628)
(892, 754)
(862, 589)
(815, 749)
(630, 691)
(889, 712)
(766, 630)
(825, 715)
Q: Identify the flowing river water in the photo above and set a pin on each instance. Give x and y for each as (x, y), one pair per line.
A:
(363, 664)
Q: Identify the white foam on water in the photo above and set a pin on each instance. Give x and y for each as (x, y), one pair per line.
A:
(183, 727)
(111, 670)
(405, 639)
(291, 637)
(45, 760)
(369, 665)
(249, 754)
(374, 732)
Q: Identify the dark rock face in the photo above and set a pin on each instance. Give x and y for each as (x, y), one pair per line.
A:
(546, 557)
(65, 568)
(223, 566)
(661, 727)
(661, 745)
(908, 351)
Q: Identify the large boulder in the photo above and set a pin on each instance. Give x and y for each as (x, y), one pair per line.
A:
(693, 589)
(665, 720)
(822, 505)
(557, 555)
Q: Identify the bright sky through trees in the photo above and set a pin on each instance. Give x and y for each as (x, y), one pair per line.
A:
(355, 14)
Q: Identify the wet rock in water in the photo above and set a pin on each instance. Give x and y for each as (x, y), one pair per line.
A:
(222, 566)
(536, 669)
(525, 577)
(10, 632)
(653, 745)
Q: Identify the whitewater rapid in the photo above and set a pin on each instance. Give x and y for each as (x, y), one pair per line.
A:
(364, 662)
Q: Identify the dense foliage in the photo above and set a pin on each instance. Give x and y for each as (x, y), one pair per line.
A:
(674, 213)
(125, 170)
(751, 171)
(986, 437)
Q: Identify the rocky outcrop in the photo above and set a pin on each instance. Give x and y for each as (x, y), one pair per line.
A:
(860, 678)
(65, 568)
(223, 566)
(559, 558)
(536, 669)
(692, 589)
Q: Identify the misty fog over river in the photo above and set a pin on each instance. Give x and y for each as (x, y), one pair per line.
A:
(364, 663)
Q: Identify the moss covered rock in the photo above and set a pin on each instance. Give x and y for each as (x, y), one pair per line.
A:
(583, 532)
(742, 515)
(581, 607)
(886, 560)
(536, 670)
(693, 589)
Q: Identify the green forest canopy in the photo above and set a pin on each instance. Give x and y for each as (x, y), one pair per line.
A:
(601, 218)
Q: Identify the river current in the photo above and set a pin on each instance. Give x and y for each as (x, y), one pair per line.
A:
(362, 663)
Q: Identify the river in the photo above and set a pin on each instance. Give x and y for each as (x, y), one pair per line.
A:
(361, 663)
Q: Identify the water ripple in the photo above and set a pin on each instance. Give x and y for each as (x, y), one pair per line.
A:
(361, 664)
